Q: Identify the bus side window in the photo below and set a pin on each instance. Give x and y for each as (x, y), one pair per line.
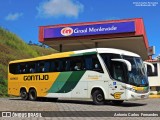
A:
(31, 67)
(43, 66)
(14, 68)
(40, 67)
(46, 66)
(53, 67)
(96, 64)
(149, 70)
(62, 63)
(117, 71)
(67, 65)
(88, 63)
(107, 60)
(23, 68)
(92, 63)
(17, 69)
(59, 65)
(77, 63)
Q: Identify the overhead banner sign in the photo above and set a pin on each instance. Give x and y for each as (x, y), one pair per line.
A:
(95, 29)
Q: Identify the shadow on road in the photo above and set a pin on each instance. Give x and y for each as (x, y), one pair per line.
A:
(130, 104)
(124, 104)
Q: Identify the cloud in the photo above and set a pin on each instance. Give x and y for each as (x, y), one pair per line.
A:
(13, 16)
(54, 8)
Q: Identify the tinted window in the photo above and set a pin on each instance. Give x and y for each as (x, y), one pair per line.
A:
(107, 59)
(92, 63)
(24, 68)
(67, 64)
(60, 65)
(149, 70)
(14, 68)
(32, 67)
(76, 63)
(43, 66)
(116, 69)
(87, 62)
(53, 67)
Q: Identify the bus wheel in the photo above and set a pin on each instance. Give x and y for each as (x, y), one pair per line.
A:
(32, 95)
(98, 97)
(117, 102)
(23, 94)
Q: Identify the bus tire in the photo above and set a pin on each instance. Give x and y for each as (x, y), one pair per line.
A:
(23, 94)
(32, 94)
(98, 97)
(117, 102)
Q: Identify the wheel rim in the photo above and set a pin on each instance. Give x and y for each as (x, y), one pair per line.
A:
(32, 95)
(99, 97)
(23, 94)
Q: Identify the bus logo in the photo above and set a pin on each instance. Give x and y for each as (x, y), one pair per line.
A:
(67, 31)
(117, 95)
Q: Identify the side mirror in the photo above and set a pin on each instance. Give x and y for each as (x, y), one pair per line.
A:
(129, 66)
(150, 64)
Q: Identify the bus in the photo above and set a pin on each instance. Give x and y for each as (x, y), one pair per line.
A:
(154, 78)
(99, 74)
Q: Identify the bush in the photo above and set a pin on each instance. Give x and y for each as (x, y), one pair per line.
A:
(158, 93)
(151, 93)
(3, 90)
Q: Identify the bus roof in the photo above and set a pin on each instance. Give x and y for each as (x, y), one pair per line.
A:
(109, 50)
(79, 53)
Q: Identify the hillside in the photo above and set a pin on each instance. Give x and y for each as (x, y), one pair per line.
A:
(13, 48)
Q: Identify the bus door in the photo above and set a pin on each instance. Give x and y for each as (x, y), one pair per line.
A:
(117, 85)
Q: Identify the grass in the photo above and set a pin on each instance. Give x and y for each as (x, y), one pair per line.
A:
(13, 47)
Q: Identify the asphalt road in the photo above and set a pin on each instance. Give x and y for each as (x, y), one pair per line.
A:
(16, 104)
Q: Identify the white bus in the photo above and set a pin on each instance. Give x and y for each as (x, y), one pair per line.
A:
(100, 73)
(154, 78)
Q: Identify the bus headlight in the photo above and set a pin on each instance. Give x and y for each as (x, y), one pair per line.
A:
(132, 89)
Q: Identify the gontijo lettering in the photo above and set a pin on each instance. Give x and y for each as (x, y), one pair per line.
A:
(35, 77)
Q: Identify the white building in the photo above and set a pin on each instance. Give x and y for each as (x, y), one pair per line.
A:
(154, 78)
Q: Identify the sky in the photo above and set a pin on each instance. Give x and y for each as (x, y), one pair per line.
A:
(23, 17)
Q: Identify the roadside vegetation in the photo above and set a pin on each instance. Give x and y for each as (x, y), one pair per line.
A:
(13, 48)
(158, 93)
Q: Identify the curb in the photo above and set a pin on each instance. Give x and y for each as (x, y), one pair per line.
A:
(154, 96)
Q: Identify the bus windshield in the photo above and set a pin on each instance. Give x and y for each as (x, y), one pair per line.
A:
(137, 76)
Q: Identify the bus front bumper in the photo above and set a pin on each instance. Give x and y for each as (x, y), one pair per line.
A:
(137, 96)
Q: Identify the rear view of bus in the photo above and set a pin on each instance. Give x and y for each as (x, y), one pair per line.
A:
(99, 74)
